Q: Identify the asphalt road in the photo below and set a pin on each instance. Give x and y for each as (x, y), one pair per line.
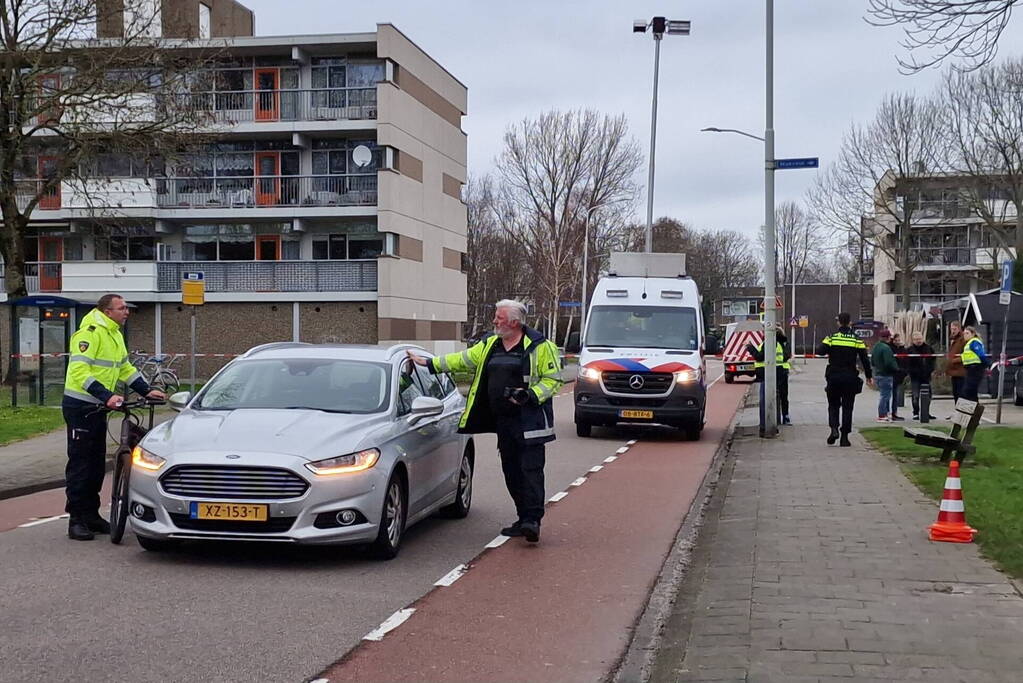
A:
(233, 612)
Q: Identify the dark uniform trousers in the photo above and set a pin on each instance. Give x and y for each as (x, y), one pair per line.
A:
(971, 385)
(87, 453)
(841, 392)
(523, 468)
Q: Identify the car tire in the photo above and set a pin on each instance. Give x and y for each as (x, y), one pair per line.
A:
(729, 378)
(583, 429)
(463, 495)
(393, 514)
(156, 545)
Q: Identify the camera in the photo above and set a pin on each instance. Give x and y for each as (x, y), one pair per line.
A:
(516, 395)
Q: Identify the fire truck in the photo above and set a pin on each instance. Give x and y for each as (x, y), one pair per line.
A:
(736, 358)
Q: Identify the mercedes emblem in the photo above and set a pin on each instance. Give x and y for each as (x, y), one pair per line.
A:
(636, 382)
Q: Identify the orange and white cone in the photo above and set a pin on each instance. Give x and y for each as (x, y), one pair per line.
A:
(951, 526)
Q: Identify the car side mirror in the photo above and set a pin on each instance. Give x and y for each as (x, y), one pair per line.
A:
(423, 407)
(573, 345)
(179, 400)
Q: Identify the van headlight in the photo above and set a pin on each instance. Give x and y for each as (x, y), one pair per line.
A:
(687, 376)
(343, 464)
(146, 460)
(591, 374)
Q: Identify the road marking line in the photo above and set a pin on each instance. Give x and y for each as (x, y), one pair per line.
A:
(392, 622)
(632, 443)
(622, 450)
(611, 458)
(715, 381)
(497, 542)
(320, 680)
(44, 520)
(578, 482)
(452, 576)
(596, 468)
(557, 496)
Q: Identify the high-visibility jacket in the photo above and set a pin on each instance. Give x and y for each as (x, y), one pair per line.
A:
(974, 353)
(542, 377)
(99, 360)
(779, 356)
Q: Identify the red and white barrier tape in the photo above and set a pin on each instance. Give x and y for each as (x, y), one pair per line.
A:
(179, 355)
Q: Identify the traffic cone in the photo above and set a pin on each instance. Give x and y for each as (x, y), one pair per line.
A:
(951, 526)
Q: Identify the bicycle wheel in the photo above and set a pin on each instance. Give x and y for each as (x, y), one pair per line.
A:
(166, 381)
(119, 496)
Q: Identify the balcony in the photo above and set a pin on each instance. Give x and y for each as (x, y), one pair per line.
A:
(43, 276)
(939, 209)
(268, 106)
(919, 302)
(267, 191)
(941, 256)
(273, 276)
(27, 189)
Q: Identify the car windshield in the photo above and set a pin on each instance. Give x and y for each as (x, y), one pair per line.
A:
(654, 327)
(337, 386)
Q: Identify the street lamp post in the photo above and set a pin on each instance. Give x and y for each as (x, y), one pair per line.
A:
(658, 26)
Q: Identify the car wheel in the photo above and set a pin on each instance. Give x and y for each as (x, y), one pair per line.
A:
(729, 378)
(583, 429)
(155, 544)
(463, 496)
(392, 520)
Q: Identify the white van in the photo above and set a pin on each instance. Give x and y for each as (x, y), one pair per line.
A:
(641, 354)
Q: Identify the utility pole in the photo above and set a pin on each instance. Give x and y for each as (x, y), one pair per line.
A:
(770, 383)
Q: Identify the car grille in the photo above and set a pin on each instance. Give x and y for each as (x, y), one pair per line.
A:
(274, 525)
(653, 382)
(225, 482)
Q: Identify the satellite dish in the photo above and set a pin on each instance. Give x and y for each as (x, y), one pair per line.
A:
(362, 156)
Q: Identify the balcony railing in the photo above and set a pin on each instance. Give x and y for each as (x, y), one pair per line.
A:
(941, 256)
(266, 106)
(273, 276)
(267, 191)
(922, 210)
(27, 189)
(918, 301)
(43, 276)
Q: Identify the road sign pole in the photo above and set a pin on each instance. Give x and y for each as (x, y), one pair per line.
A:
(1004, 297)
(192, 353)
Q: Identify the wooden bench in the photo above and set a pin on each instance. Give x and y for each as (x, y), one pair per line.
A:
(965, 420)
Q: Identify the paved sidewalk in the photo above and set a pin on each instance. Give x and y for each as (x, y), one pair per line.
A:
(814, 564)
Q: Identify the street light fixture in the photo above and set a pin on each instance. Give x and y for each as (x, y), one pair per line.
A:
(658, 26)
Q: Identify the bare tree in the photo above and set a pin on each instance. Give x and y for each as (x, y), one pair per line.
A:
(800, 246)
(66, 96)
(939, 29)
(880, 180)
(554, 172)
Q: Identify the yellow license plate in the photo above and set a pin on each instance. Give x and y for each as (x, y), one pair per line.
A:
(637, 414)
(234, 512)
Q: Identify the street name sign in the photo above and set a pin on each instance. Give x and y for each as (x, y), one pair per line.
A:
(805, 162)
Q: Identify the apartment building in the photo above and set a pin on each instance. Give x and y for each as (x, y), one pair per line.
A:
(952, 249)
(326, 209)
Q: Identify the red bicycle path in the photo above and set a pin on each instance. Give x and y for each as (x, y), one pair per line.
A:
(564, 609)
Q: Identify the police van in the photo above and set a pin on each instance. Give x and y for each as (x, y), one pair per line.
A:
(641, 357)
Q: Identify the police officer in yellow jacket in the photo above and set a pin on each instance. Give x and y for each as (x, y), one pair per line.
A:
(517, 372)
(99, 360)
(782, 368)
(843, 348)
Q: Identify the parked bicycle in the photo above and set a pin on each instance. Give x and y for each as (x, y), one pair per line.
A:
(157, 370)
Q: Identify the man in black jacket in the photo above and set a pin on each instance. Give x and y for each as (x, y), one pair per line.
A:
(843, 380)
(919, 370)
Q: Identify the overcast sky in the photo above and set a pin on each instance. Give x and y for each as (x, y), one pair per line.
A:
(521, 58)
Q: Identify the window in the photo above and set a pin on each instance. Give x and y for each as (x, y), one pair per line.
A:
(658, 327)
(430, 383)
(204, 21)
(332, 247)
(365, 247)
(125, 243)
(236, 242)
(408, 388)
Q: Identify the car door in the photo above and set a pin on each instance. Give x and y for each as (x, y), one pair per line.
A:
(448, 453)
(419, 441)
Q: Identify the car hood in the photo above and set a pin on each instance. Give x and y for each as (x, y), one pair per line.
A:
(309, 434)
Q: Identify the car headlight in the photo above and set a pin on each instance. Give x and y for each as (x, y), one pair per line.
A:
(687, 376)
(589, 373)
(342, 464)
(146, 460)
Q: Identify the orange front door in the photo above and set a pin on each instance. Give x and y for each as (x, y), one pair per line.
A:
(51, 253)
(46, 168)
(268, 178)
(268, 94)
(268, 247)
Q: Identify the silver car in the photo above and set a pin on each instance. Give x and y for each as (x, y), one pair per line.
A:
(305, 443)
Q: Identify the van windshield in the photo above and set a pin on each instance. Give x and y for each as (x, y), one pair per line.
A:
(644, 327)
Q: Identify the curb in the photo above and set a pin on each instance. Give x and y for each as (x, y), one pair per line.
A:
(636, 662)
(46, 485)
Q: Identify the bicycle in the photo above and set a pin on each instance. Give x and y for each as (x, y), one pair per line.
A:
(132, 432)
(157, 371)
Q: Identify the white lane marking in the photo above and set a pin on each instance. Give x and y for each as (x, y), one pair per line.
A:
(497, 542)
(578, 482)
(631, 443)
(621, 450)
(44, 520)
(320, 680)
(452, 576)
(392, 622)
(596, 468)
(715, 381)
(557, 496)
(611, 458)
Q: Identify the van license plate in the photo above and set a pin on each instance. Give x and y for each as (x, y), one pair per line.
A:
(235, 512)
(637, 414)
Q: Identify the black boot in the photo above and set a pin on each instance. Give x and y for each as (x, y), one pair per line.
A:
(97, 524)
(513, 530)
(833, 437)
(531, 530)
(78, 530)
(845, 440)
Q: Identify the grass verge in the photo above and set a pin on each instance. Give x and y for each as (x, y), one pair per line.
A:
(25, 422)
(992, 485)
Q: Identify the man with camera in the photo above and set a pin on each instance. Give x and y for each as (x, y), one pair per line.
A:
(517, 373)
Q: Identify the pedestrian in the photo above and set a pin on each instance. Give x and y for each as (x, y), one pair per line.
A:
(882, 360)
(954, 361)
(843, 348)
(975, 361)
(98, 361)
(517, 372)
(898, 382)
(782, 368)
(919, 368)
